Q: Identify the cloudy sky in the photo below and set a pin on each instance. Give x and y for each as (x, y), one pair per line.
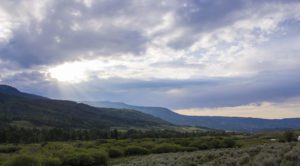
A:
(200, 57)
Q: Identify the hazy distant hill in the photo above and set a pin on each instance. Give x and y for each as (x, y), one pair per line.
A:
(224, 123)
(17, 107)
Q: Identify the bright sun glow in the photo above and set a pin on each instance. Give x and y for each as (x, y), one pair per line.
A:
(69, 72)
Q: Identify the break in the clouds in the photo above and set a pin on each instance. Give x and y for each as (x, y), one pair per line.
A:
(183, 54)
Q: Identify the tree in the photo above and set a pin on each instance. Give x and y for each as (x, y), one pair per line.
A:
(288, 136)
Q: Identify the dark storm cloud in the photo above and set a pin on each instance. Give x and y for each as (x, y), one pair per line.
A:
(34, 42)
(201, 16)
(45, 50)
(26, 78)
(65, 32)
(204, 15)
(53, 40)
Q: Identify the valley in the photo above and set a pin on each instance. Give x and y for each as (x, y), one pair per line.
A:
(39, 131)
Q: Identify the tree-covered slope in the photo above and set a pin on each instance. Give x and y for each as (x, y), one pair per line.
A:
(16, 106)
(8, 90)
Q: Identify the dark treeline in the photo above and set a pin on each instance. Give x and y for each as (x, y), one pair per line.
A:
(33, 135)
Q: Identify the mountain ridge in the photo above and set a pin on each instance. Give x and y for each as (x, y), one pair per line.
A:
(240, 124)
(17, 106)
(9, 90)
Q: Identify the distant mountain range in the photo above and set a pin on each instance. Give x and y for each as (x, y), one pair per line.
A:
(29, 110)
(216, 122)
(18, 108)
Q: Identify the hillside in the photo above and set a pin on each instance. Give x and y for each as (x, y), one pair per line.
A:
(17, 107)
(8, 90)
(223, 123)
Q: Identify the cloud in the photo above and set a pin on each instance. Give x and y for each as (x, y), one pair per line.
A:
(54, 31)
(175, 94)
(179, 54)
(268, 110)
(48, 32)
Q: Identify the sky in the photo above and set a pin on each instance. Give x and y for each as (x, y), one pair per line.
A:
(196, 57)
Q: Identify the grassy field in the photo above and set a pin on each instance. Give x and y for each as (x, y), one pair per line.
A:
(204, 150)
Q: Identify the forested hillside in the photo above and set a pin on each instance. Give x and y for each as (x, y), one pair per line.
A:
(22, 109)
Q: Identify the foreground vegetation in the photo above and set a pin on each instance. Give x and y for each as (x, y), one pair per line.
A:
(274, 154)
(100, 152)
(235, 149)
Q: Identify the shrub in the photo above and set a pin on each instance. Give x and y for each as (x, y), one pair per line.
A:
(244, 159)
(266, 159)
(208, 157)
(203, 146)
(207, 144)
(100, 158)
(213, 144)
(78, 159)
(51, 161)
(166, 148)
(8, 149)
(228, 143)
(188, 149)
(85, 158)
(288, 136)
(114, 152)
(148, 145)
(291, 158)
(252, 151)
(100, 141)
(182, 142)
(54, 146)
(135, 150)
(200, 145)
(22, 161)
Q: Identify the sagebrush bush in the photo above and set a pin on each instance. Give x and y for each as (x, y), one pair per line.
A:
(148, 145)
(213, 144)
(292, 157)
(182, 142)
(188, 149)
(252, 151)
(244, 159)
(166, 148)
(9, 148)
(201, 145)
(78, 159)
(228, 143)
(135, 150)
(88, 157)
(273, 154)
(269, 156)
(100, 157)
(100, 141)
(289, 136)
(23, 160)
(50, 161)
(55, 146)
(115, 152)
